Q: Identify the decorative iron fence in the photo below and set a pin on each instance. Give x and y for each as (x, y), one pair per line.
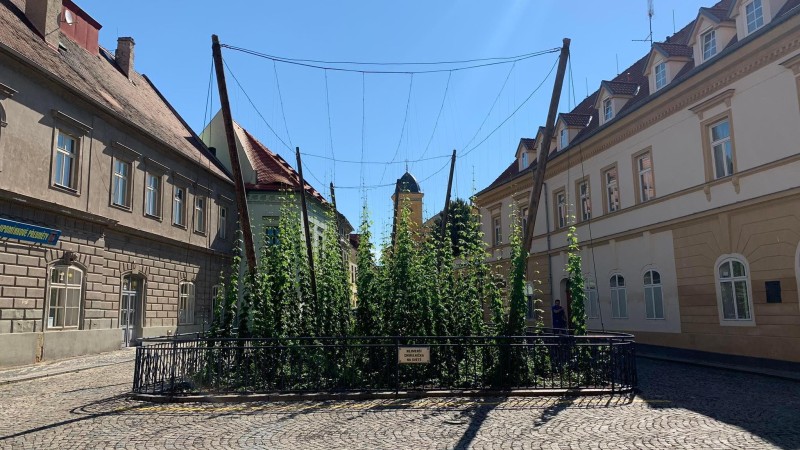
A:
(543, 359)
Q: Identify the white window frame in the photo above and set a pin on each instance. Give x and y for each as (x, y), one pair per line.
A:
(726, 144)
(608, 109)
(652, 287)
(497, 223)
(619, 297)
(215, 289)
(63, 154)
(724, 259)
(222, 224)
(661, 74)
(612, 189)
(585, 200)
(121, 180)
(182, 203)
(524, 160)
(186, 303)
(752, 23)
(708, 46)
(200, 218)
(642, 172)
(153, 195)
(592, 306)
(60, 289)
(564, 138)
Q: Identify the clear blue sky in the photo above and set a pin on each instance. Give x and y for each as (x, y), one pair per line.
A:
(173, 47)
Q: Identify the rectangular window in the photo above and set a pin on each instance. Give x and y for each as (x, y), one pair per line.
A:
(66, 283)
(498, 231)
(564, 137)
(592, 305)
(524, 214)
(653, 295)
(186, 304)
(612, 190)
(661, 75)
(179, 207)
(584, 200)
(608, 110)
(755, 16)
(223, 222)
(721, 151)
(561, 210)
(65, 166)
(524, 160)
(644, 180)
(121, 184)
(709, 45)
(152, 195)
(619, 298)
(200, 214)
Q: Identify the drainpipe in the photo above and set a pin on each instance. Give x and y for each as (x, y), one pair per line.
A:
(547, 228)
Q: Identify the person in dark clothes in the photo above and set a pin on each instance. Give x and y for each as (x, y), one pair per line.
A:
(559, 315)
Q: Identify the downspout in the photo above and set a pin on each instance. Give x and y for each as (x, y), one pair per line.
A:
(547, 228)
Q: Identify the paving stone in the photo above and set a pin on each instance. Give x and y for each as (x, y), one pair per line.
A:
(679, 406)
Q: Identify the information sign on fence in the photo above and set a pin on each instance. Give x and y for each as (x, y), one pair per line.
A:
(414, 355)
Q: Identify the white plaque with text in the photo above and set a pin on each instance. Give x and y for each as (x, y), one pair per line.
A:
(414, 355)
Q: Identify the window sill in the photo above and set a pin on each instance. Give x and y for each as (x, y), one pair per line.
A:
(200, 233)
(65, 189)
(121, 207)
(655, 318)
(737, 322)
(150, 216)
(62, 328)
(177, 225)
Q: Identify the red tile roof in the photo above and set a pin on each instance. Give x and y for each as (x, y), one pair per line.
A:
(575, 120)
(626, 87)
(97, 78)
(670, 49)
(273, 173)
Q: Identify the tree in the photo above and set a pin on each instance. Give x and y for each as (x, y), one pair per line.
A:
(460, 213)
(577, 313)
(369, 313)
(517, 305)
(333, 289)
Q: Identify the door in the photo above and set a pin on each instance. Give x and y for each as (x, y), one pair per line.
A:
(131, 308)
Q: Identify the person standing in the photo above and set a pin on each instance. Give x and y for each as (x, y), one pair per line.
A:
(559, 315)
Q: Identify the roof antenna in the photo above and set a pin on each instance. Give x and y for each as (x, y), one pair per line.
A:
(650, 13)
(673, 22)
(587, 86)
(617, 56)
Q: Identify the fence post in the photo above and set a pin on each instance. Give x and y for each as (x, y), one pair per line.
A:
(396, 366)
(136, 369)
(613, 363)
(174, 363)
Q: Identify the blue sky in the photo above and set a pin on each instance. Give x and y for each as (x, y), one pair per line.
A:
(173, 47)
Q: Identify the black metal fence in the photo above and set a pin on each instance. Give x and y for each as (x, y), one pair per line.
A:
(543, 359)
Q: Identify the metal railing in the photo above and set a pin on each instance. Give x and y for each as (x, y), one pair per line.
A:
(543, 359)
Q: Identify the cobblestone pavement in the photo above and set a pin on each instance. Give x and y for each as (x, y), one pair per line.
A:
(66, 365)
(680, 406)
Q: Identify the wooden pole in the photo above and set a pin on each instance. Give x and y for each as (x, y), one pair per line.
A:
(241, 195)
(301, 190)
(446, 210)
(541, 160)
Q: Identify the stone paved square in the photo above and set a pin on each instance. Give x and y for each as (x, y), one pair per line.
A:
(679, 406)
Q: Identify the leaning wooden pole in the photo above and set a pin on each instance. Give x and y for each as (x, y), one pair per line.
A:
(241, 195)
(301, 190)
(541, 160)
(446, 211)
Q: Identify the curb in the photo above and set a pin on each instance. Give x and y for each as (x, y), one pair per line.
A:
(732, 367)
(322, 396)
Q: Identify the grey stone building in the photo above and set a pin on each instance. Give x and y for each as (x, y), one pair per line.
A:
(115, 220)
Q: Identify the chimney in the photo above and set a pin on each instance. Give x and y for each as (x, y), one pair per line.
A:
(45, 15)
(124, 55)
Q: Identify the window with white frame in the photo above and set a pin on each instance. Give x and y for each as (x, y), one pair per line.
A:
(121, 184)
(179, 206)
(561, 209)
(661, 75)
(65, 166)
(721, 150)
(223, 222)
(524, 160)
(644, 167)
(619, 299)
(612, 189)
(592, 305)
(755, 16)
(709, 42)
(186, 303)
(653, 295)
(564, 137)
(498, 230)
(734, 290)
(216, 291)
(152, 195)
(64, 305)
(200, 214)
(584, 200)
(608, 110)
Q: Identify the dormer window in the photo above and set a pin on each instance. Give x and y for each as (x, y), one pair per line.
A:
(564, 138)
(661, 75)
(608, 110)
(709, 40)
(755, 16)
(525, 160)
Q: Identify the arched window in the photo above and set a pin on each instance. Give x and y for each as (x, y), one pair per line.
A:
(66, 294)
(592, 304)
(734, 289)
(186, 303)
(619, 299)
(653, 295)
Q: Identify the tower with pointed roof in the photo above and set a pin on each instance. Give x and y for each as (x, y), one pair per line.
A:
(407, 194)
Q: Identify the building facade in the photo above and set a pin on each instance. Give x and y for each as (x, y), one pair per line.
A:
(91, 150)
(680, 175)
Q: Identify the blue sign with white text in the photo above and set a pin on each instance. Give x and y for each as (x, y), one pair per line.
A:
(28, 232)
